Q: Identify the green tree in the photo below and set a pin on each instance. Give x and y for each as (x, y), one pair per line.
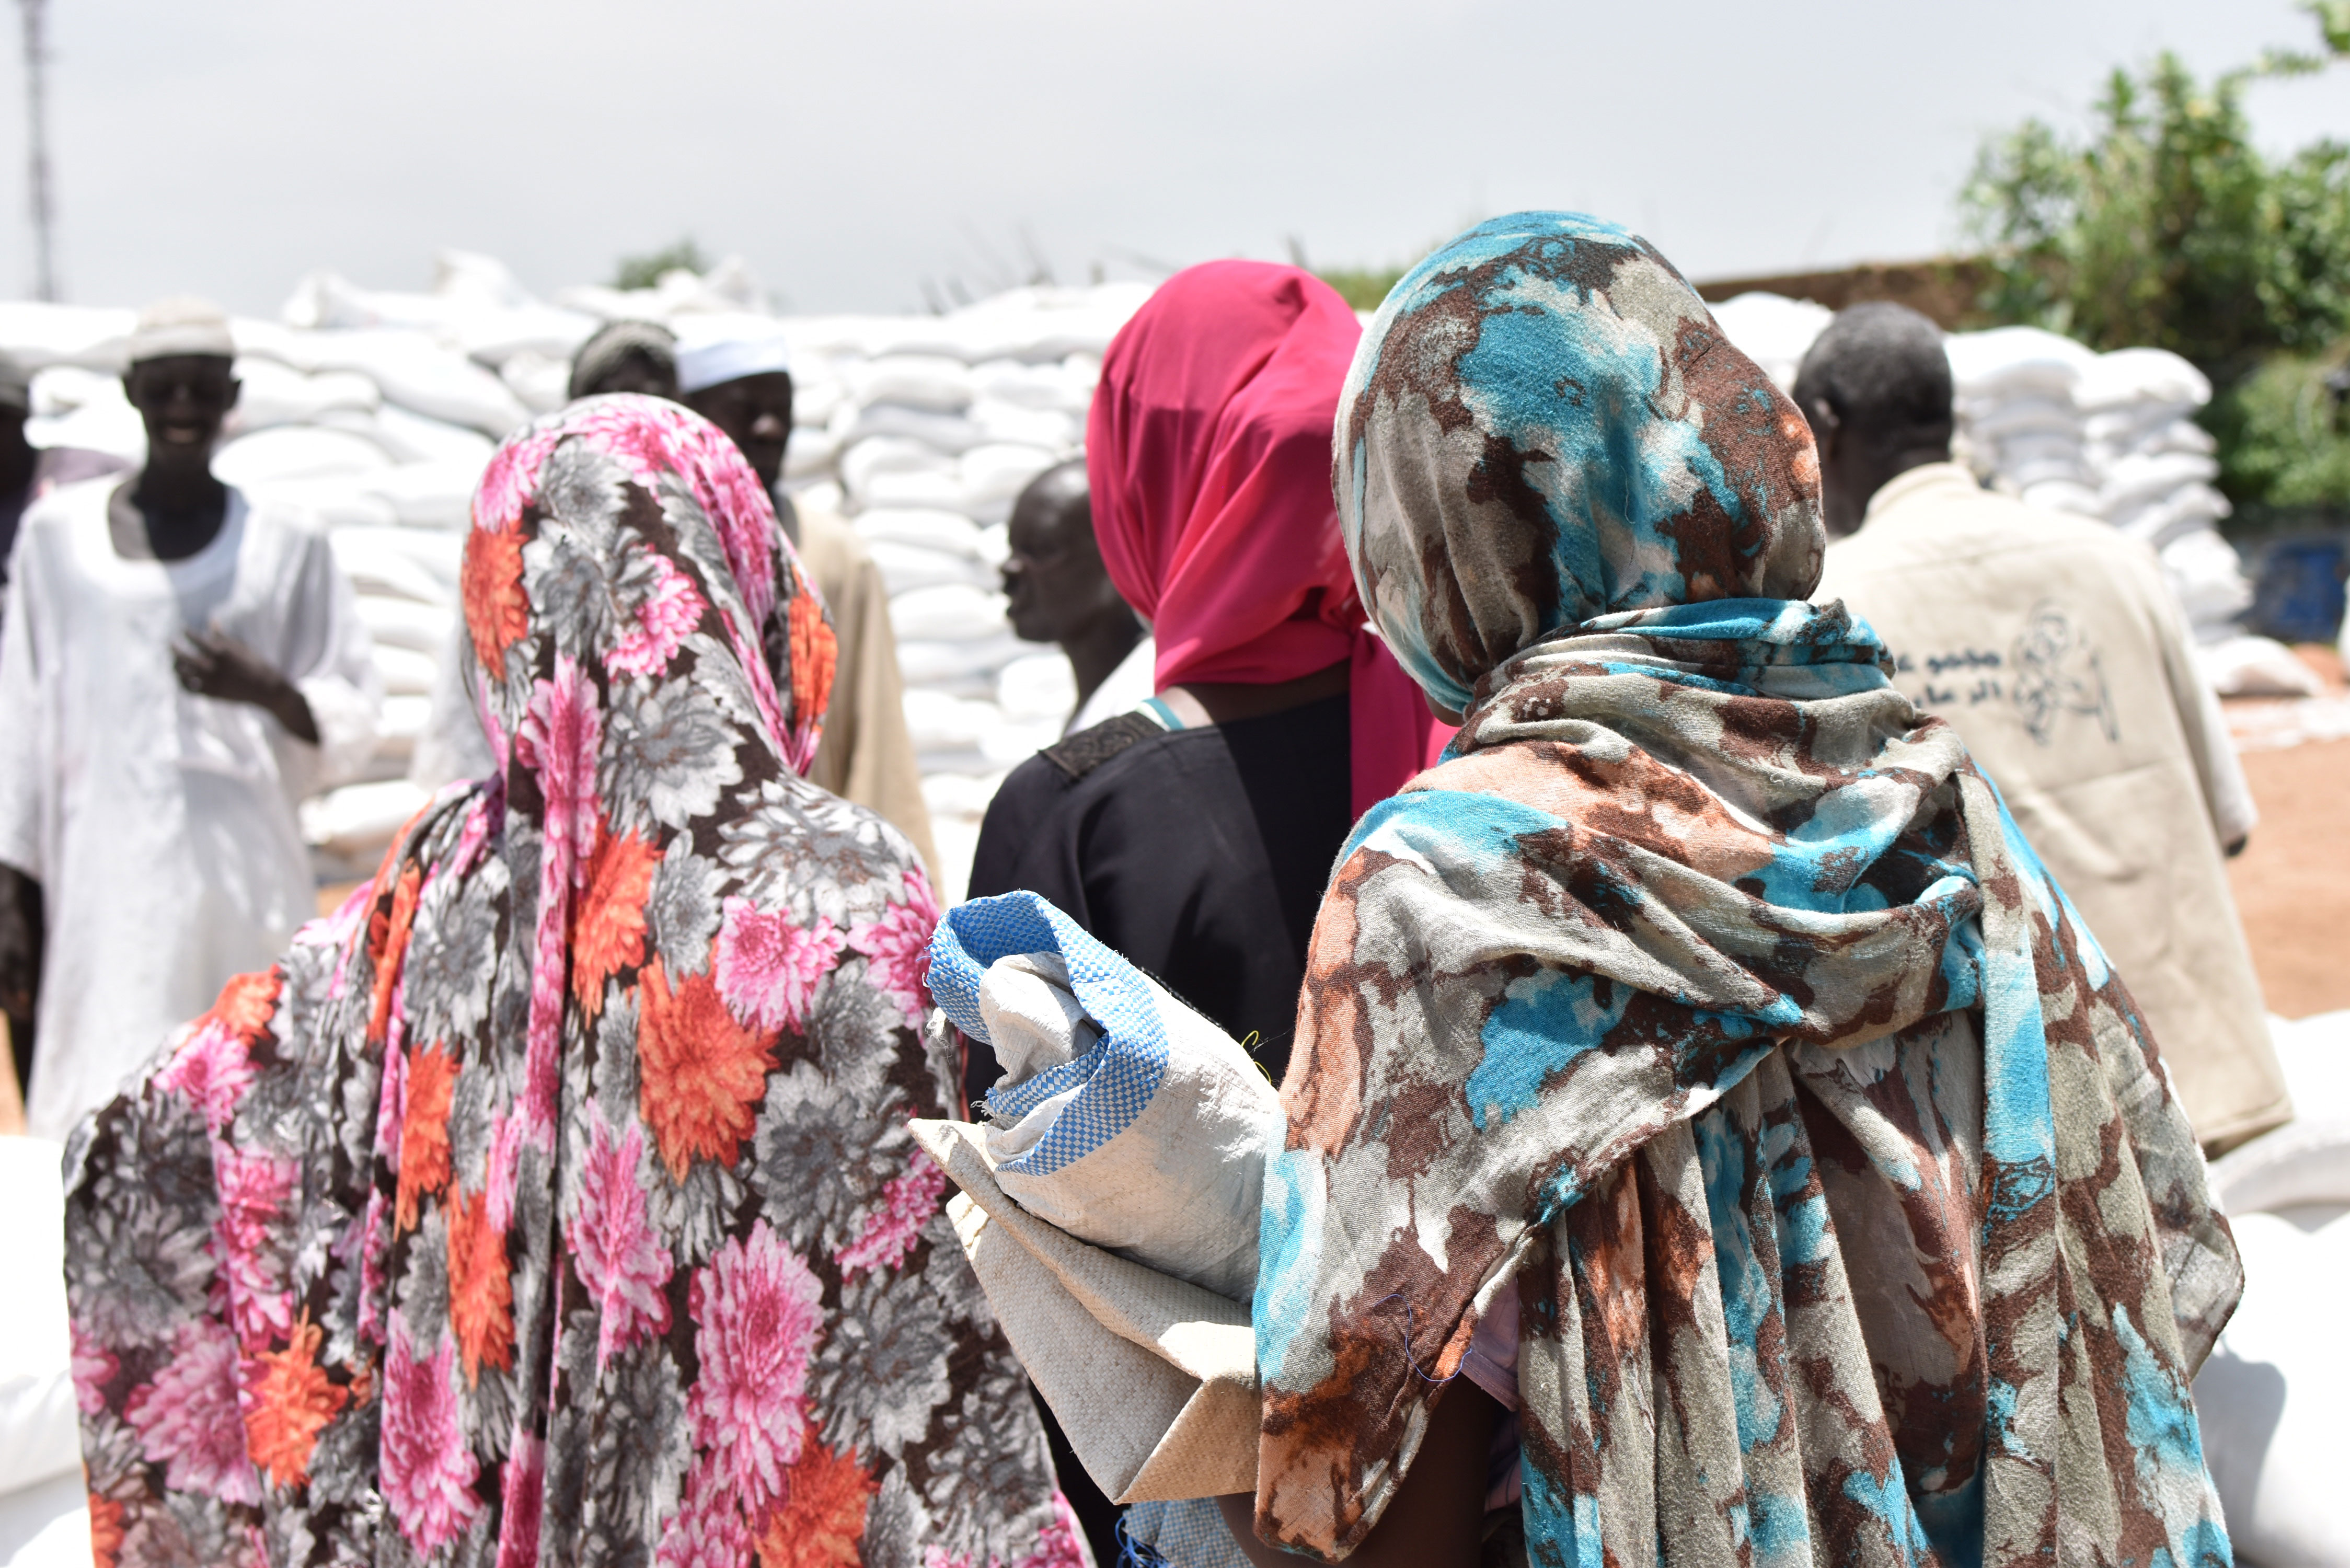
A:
(2165, 225)
(644, 271)
(2284, 444)
(1364, 288)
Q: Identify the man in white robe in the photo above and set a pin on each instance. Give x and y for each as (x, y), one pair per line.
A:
(179, 667)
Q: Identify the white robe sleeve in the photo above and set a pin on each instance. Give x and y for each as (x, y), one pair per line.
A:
(334, 669)
(23, 735)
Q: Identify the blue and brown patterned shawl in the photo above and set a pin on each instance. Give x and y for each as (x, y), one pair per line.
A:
(1708, 994)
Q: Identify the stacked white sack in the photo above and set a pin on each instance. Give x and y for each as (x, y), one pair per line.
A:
(2019, 425)
(2124, 448)
(2155, 468)
(923, 430)
(2111, 436)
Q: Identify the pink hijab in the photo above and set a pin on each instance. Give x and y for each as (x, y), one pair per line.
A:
(1208, 453)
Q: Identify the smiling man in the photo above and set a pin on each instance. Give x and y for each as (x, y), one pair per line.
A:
(181, 666)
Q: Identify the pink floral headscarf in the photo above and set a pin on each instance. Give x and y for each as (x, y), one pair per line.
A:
(656, 441)
(553, 1200)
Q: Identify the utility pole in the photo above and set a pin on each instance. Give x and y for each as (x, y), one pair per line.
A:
(37, 110)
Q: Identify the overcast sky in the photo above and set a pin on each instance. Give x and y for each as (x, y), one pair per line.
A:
(855, 149)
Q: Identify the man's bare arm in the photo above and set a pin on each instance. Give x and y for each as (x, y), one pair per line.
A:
(21, 934)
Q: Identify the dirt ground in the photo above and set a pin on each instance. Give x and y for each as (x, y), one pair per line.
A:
(2293, 881)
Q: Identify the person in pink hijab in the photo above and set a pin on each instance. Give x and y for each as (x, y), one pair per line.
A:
(1209, 451)
(1195, 834)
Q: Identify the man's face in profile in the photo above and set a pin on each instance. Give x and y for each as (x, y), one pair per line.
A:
(1053, 576)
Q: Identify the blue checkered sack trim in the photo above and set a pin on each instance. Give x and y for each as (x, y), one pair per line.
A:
(1121, 1072)
(1188, 1534)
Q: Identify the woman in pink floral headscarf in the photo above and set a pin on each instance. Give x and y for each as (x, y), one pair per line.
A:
(552, 1202)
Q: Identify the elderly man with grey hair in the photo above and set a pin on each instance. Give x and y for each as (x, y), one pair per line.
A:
(181, 664)
(2054, 647)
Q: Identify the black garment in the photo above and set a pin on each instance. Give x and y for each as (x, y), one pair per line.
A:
(1200, 855)
(23, 913)
(20, 1054)
(20, 1027)
(12, 513)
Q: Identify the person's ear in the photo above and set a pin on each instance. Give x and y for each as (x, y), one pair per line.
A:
(1825, 425)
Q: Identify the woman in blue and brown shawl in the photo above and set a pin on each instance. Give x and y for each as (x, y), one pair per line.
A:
(1699, 1059)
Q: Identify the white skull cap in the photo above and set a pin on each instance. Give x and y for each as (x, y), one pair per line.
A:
(181, 324)
(715, 349)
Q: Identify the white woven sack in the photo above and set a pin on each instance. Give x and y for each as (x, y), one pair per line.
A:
(40, 1437)
(919, 381)
(948, 531)
(1153, 1380)
(2271, 1397)
(951, 612)
(1123, 1116)
(2129, 376)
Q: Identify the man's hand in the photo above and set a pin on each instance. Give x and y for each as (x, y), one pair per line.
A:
(212, 664)
(21, 931)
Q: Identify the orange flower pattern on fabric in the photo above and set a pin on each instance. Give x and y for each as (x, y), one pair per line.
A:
(822, 1518)
(288, 1401)
(816, 653)
(424, 1133)
(244, 1005)
(702, 1073)
(609, 935)
(497, 612)
(105, 1532)
(480, 1291)
(388, 941)
(423, 1229)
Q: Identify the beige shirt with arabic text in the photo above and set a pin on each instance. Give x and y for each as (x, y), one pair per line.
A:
(2053, 645)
